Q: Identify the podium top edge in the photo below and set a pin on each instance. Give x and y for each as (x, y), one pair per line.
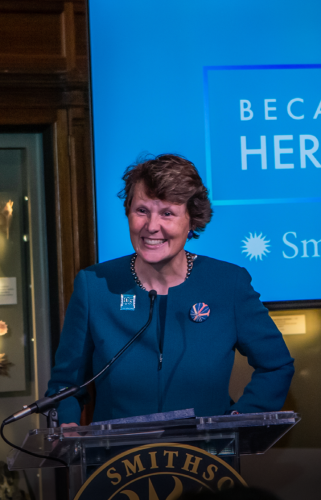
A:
(239, 420)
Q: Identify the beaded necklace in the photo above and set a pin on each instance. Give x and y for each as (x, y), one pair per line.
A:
(190, 257)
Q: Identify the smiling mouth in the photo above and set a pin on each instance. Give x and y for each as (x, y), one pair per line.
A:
(155, 242)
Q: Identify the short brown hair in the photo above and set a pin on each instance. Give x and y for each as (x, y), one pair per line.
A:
(173, 178)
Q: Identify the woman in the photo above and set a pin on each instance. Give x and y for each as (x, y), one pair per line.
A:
(205, 308)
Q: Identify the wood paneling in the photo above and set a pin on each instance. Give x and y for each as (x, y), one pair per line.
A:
(36, 6)
(30, 33)
(81, 34)
(44, 81)
(65, 217)
(17, 63)
(10, 115)
(44, 37)
(83, 190)
(40, 5)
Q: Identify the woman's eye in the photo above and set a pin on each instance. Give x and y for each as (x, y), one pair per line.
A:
(167, 214)
(141, 211)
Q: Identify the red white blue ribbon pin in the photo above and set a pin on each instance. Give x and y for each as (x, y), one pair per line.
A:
(199, 312)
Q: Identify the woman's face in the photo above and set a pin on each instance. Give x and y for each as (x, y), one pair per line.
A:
(158, 229)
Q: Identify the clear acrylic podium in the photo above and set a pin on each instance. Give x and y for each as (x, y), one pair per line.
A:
(87, 448)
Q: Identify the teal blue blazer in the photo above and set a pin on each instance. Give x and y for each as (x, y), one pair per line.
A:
(197, 357)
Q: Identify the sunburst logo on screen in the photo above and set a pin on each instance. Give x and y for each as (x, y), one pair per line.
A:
(256, 246)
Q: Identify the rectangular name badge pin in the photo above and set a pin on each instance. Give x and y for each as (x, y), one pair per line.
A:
(127, 302)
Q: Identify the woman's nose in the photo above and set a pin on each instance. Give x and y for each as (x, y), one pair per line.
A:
(152, 224)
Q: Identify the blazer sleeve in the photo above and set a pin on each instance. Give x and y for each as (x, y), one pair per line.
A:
(73, 361)
(259, 339)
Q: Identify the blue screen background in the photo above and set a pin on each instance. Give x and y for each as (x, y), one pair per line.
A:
(161, 82)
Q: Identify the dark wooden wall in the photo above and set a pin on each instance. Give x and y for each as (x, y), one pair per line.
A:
(44, 82)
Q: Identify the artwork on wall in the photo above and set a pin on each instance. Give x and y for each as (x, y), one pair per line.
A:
(3, 328)
(12, 323)
(5, 365)
(6, 217)
(8, 291)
